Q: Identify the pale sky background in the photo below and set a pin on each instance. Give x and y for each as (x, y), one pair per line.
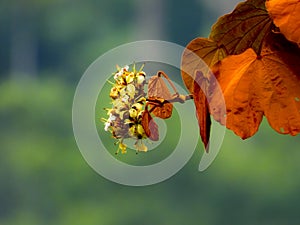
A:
(221, 6)
(151, 19)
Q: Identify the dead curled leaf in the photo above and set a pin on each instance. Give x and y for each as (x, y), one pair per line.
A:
(158, 88)
(160, 108)
(149, 126)
(202, 110)
(286, 16)
(254, 86)
(158, 92)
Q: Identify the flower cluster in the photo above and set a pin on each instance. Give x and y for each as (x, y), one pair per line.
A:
(128, 99)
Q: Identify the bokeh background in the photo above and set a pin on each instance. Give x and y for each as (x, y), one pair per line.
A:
(45, 48)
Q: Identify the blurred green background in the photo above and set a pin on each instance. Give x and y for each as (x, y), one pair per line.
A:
(45, 48)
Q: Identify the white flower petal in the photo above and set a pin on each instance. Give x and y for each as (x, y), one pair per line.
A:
(140, 79)
(118, 74)
(112, 117)
(125, 98)
(107, 125)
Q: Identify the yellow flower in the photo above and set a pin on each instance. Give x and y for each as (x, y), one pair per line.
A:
(140, 132)
(140, 146)
(132, 130)
(114, 93)
(122, 147)
(133, 113)
(137, 106)
(141, 77)
(128, 101)
(129, 77)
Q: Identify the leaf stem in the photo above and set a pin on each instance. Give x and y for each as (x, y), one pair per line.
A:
(177, 98)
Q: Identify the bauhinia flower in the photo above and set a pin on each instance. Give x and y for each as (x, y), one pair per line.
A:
(128, 101)
(129, 116)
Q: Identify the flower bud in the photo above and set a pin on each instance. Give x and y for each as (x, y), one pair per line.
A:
(141, 77)
(133, 113)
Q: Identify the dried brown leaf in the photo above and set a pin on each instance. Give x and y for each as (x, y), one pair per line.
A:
(150, 127)
(158, 88)
(160, 108)
(246, 27)
(159, 93)
(202, 108)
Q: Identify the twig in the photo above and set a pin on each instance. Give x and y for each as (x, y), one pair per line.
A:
(176, 98)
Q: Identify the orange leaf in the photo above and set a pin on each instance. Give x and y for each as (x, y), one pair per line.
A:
(200, 54)
(202, 110)
(254, 86)
(246, 27)
(286, 16)
(164, 111)
(160, 108)
(150, 127)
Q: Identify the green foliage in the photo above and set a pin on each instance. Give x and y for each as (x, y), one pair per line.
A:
(44, 179)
